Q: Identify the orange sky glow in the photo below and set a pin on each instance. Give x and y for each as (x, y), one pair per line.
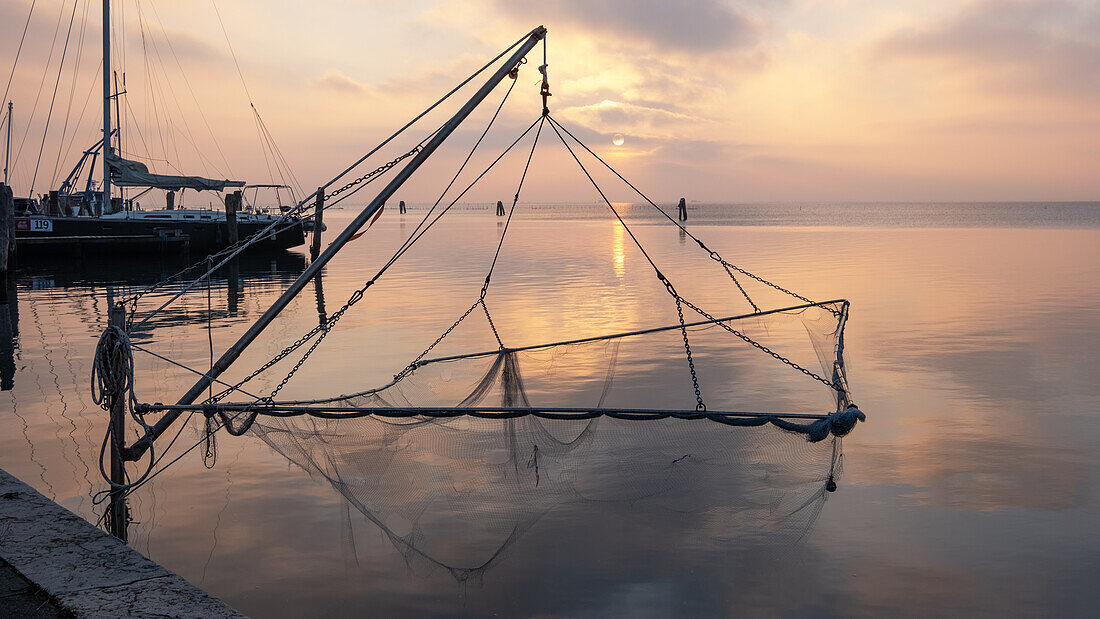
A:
(798, 100)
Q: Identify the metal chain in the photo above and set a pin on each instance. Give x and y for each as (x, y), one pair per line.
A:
(755, 308)
(490, 319)
(759, 346)
(375, 172)
(700, 406)
(277, 358)
(714, 256)
(323, 329)
(420, 357)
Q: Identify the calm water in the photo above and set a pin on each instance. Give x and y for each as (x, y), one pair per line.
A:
(973, 346)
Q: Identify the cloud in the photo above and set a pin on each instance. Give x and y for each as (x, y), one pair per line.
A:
(684, 25)
(1012, 44)
(333, 79)
(611, 116)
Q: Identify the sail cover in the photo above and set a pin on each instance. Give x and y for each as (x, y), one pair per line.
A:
(128, 173)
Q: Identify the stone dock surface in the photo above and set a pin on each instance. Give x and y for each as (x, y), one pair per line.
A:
(57, 563)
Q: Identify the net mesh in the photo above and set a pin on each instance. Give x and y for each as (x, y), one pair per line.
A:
(454, 493)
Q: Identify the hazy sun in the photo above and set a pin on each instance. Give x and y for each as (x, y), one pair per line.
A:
(618, 139)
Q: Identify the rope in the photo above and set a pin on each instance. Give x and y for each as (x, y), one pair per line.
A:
(515, 200)
(713, 254)
(112, 379)
(700, 405)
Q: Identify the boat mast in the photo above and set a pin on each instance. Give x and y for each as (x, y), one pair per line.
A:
(105, 203)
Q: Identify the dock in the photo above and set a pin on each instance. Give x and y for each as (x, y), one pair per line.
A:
(54, 563)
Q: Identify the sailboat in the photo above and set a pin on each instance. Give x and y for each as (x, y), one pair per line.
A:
(92, 220)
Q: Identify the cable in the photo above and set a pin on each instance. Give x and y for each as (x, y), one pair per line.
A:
(18, 51)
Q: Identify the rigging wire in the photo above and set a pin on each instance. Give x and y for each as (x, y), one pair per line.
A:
(18, 51)
(339, 176)
(836, 386)
(713, 254)
(323, 330)
(41, 84)
(191, 91)
(53, 98)
(72, 93)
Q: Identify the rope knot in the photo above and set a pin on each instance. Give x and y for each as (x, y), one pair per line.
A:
(112, 367)
(209, 410)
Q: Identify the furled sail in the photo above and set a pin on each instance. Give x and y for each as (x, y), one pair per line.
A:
(128, 173)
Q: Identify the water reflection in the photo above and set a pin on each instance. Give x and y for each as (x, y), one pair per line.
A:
(972, 487)
(9, 332)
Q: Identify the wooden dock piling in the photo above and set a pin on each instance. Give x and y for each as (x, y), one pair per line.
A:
(401, 207)
(500, 208)
(318, 213)
(118, 511)
(7, 230)
(683, 210)
(232, 205)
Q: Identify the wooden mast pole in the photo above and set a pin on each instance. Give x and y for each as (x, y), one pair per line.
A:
(234, 351)
(7, 147)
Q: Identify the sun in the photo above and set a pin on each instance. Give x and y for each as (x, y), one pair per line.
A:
(618, 139)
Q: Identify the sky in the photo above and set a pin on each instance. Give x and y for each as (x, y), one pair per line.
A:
(716, 100)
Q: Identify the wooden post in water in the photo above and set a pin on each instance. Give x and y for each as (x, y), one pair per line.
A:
(232, 204)
(401, 207)
(7, 230)
(500, 208)
(315, 246)
(170, 200)
(53, 205)
(683, 210)
(116, 316)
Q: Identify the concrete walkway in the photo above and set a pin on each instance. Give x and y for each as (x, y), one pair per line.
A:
(77, 570)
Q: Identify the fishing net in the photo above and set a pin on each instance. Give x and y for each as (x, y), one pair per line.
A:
(710, 422)
(460, 455)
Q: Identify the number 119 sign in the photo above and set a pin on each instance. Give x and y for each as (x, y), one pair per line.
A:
(34, 224)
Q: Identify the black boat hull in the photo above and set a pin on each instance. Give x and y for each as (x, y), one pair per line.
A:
(145, 236)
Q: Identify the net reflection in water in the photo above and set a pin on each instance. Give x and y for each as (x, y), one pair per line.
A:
(454, 493)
